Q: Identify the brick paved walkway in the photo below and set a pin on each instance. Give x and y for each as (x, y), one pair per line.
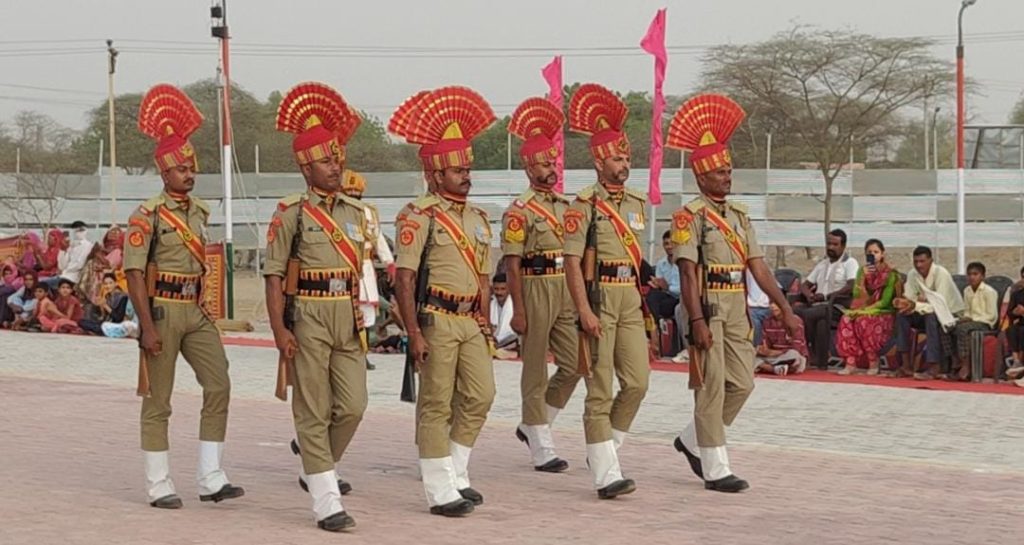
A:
(828, 463)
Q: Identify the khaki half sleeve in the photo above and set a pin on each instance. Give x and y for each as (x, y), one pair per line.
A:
(412, 236)
(754, 249)
(280, 235)
(684, 236)
(137, 241)
(576, 220)
(513, 232)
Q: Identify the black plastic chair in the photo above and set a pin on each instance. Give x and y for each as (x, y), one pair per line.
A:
(961, 282)
(1002, 285)
(786, 278)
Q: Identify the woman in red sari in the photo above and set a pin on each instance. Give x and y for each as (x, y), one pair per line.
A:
(113, 247)
(867, 325)
(55, 243)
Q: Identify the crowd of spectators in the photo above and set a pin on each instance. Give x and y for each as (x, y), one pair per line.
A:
(69, 284)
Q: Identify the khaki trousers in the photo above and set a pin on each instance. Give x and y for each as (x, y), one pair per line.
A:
(622, 354)
(183, 328)
(456, 385)
(329, 395)
(728, 369)
(550, 324)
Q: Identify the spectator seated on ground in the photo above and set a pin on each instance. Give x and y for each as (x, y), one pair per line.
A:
(90, 278)
(107, 306)
(829, 283)
(779, 353)
(61, 314)
(981, 311)
(930, 303)
(866, 326)
(72, 260)
(48, 264)
(113, 247)
(128, 327)
(21, 305)
(10, 282)
(501, 317)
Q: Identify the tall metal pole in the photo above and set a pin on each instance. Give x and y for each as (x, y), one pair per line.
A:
(935, 139)
(924, 112)
(224, 35)
(111, 67)
(508, 151)
(961, 258)
(17, 160)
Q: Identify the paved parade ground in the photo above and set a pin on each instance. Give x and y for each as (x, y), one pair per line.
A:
(828, 463)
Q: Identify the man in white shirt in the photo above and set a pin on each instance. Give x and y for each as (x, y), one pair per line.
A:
(501, 313)
(829, 283)
(981, 304)
(758, 307)
(929, 291)
(72, 261)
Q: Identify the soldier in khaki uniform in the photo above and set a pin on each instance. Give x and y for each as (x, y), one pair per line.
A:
(322, 231)
(449, 336)
(542, 311)
(616, 332)
(714, 245)
(164, 262)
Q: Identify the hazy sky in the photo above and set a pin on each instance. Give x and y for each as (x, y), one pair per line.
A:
(499, 46)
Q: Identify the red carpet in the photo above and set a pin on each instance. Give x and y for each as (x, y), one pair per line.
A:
(809, 376)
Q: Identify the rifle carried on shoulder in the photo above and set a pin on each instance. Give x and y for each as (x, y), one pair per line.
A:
(291, 289)
(423, 319)
(586, 354)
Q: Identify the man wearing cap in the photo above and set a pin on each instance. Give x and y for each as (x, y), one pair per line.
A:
(164, 262)
(615, 215)
(449, 334)
(321, 232)
(353, 184)
(532, 238)
(715, 246)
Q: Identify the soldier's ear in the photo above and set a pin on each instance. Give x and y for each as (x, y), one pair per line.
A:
(598, 164)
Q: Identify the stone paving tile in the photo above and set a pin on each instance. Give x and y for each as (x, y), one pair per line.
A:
(72, 474)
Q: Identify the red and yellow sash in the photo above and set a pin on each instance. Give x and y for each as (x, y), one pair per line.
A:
(548, 216)
(737, 245)
(625, 234)
(192, 242)
(341, 242)
(462, 242)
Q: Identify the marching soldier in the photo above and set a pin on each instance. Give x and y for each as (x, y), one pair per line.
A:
(714, 245)
(443, 294)
(542, 310)
(314, 256)
(606, 221)
(164, 263)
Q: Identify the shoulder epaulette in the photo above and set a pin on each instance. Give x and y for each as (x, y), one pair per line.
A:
(351, 201)
(479, 210)
(696, 205)
(423, 203)
(739, 207)
(289, 201)
(585, 194)
(202, 205)
(637, 194)
(523, 199)
(149, 206)
(560, 197)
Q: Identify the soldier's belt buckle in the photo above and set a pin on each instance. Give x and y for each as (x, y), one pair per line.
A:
(735, 277)
(466, 307)
(189, 289)
(559, 262)
(337, 285)
(623, 272)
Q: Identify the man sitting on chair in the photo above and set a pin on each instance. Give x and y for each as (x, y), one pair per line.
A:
(829, 283)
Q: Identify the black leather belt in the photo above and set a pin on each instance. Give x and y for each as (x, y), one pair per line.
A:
(182, 291)
(452, 307)
(734, 278)
(541, 265)
(616, 273)
(332, 287)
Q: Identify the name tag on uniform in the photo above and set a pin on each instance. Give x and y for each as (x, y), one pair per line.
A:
(559, 262)
(736, 277)
(337, 285)
(635, 221)
(189, 289)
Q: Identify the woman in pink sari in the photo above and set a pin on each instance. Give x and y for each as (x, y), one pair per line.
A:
(867, 325)
(113, 247)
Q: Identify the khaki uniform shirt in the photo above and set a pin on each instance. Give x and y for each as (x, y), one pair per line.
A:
(316, 249)
(170, 254)
(449, 270)
(525, 233)
(686, 233)
(581, 212)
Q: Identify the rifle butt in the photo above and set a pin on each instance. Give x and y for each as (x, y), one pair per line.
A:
(696, 380)
(281, 390)
(408, 394)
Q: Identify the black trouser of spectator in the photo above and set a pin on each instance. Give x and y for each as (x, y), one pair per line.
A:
(817, 330)
(116, 316)
(662, 304)
(1015, 335)
(6, 314)
(933, 352)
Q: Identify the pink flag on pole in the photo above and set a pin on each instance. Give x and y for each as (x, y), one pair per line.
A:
(553, 75)
(654, 43)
